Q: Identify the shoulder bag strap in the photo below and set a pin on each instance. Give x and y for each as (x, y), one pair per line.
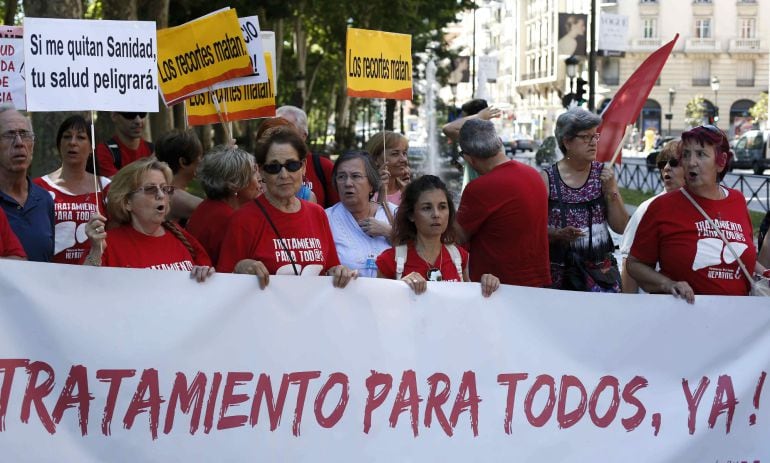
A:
(280, 239)
(721, 235)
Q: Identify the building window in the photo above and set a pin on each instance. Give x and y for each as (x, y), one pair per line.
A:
(610, 71)
(747, 28)
(649, 1)
(703, 28)
(701, 1)
(650, 28)
(701, 73)
(744, 73)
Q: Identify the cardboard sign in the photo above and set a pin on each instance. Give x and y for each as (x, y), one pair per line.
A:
(248, 101)
(74, 64)
(200, 53)
(245, 99)
(176, 370)
(379, 64)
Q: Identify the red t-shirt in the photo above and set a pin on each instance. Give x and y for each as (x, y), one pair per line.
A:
(9, 243)
(306, 235)
(317, 186)
(71, 213)
(127, 155)
(505, 214)
(208, 224)
(674, 234)
(386, 263)
(127, 247)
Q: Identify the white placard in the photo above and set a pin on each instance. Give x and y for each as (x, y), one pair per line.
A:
(102, 364)
(74, 64)
(613, 32)
(12, 73)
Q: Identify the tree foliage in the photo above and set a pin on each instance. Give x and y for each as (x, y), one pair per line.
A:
(310, 55)
(695, 111)
(759, 110)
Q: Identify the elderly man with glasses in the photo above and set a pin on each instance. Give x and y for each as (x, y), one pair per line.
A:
(125, 147)
(29, 208)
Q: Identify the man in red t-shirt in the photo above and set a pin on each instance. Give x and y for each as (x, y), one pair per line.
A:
(503, 214)
(318, 169)
(125, 147)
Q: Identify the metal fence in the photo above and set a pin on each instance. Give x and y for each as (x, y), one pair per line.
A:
(755, 188)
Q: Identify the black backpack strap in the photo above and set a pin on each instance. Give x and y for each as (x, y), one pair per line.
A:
(321, 177)
(117, 157)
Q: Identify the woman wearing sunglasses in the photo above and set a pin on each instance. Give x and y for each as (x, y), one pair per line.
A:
(423, 240)
(672, 176)
(140, 235)
(278, 233)
(675, 235)
(74, 190)
(584, 202)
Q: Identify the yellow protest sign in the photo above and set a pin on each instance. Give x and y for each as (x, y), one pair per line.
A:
(235, 103)
(200, 53)
(379, 64)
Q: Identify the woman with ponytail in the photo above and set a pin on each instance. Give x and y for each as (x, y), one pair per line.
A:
(140, 234)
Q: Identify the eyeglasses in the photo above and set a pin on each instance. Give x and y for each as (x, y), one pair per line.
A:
(589, 138)
(355, 177)
(673, 162)
(154, 190)
(274, 168)
(25, 135)
(132, 116)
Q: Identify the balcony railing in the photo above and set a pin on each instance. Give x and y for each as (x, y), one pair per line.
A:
(646, 44)
(702, 44)
(744, 82)
(745, 45)
(697, 82)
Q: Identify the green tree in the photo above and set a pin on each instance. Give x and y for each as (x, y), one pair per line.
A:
(695, 112)
(759, 110)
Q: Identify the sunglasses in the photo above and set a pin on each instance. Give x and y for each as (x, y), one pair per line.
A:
(274, 168)
(154, 190)
(132, 116)
(673, 162)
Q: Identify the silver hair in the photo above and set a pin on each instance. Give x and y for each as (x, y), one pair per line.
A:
(225, 170)
(572, 122)
(479, 139)
(9, 107)
(371, 172)
(295, 113)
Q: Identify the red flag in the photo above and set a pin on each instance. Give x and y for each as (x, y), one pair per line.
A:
(627, 103)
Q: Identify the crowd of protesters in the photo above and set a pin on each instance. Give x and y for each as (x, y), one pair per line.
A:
(284, 210)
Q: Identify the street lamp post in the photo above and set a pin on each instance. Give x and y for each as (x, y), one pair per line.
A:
(670, 115)
(715, 88)
(571, 64)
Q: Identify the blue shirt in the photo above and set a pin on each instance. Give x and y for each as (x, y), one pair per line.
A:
(33, 223)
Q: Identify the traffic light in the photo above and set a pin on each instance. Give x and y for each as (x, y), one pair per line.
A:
(581, 90)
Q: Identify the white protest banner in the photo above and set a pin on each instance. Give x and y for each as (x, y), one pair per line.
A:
(74, 64)
(102, 364)
(12, 73)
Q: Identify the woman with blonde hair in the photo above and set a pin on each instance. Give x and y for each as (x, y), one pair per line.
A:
(140, 234)
(393, 165)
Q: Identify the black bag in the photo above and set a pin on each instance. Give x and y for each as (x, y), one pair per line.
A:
(588, 276)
